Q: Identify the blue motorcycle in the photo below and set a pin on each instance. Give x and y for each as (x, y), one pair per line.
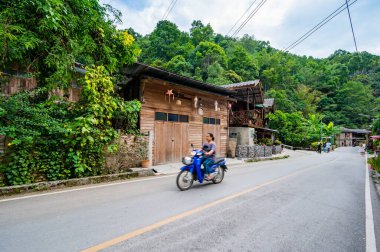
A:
(193, 170)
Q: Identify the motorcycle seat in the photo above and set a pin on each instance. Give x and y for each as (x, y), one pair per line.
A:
(219, 160)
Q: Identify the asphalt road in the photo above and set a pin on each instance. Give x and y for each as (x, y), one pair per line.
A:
(309, 203)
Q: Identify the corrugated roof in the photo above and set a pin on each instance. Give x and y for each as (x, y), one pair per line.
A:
(142, 69)
(268, 102)
(359, 131)
(242, 84)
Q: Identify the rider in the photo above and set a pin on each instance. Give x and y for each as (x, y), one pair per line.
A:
(209, 150)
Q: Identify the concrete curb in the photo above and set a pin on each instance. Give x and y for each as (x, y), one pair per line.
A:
(43, 186)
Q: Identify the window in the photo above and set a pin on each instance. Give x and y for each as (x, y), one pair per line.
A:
(161, 116)
(173, 117)
(184, 118)
(211, 120)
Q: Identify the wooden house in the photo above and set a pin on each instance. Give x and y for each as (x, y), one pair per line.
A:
(177, 111)
(352, 137)
(248, 114)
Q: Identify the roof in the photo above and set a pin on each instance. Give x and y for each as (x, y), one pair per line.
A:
(359, 131)
(242, 84)
(269, 102)
(249, 91)
(138, 69)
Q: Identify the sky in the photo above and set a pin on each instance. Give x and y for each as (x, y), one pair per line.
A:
(281, 22)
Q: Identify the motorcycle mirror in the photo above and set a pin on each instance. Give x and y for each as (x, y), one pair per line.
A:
(192, 145)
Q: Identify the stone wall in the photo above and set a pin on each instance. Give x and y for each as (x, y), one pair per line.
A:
(257, 151)
(132, 150)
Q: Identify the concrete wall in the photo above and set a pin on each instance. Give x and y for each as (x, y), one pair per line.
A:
(244, 135)
(256, 151)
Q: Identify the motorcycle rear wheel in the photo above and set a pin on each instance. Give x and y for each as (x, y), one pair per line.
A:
(219, 176)
(185, 180)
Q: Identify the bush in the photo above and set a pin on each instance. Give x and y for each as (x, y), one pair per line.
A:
(277, 142)
(375, 163)
(314, 145)
(52, 139)
(265, 141)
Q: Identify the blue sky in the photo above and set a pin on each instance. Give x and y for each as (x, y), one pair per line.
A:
(279, 22)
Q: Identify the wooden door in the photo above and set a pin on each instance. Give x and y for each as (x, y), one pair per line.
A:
(161, 143)
(171, 140)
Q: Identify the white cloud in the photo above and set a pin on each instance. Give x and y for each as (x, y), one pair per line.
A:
(278, 21)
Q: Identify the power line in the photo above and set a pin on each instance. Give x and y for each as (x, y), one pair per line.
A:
(352, 28)
(249, 17)
(318, 26)
(314, 28)
(169, 9)
(241, 17)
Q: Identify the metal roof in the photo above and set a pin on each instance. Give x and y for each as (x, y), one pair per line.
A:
(269, 102)
(138, 69)
(359, 131)
(242, 84)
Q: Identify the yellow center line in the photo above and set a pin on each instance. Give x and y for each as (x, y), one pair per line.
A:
(174, 218)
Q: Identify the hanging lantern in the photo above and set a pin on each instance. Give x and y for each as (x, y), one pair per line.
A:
(195, 102)
(200, 111)
(178, 102)
(229, 106)
(216, 105)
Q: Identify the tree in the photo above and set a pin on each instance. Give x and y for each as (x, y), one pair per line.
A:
(179, 65)
(376, 125)
(163, 43)
(309, 99)
(206, 54)
(200, 33)
(242, 64)
(353, 101)
(216, 74)
(47, 37)
(291, 127)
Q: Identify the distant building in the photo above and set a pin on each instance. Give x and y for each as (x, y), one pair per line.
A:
(352, 137)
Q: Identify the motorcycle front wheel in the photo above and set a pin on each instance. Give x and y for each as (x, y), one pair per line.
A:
(219, 175)
(185, 180)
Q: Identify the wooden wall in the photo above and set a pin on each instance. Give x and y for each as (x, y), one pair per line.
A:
(17, 84)
(152, 94)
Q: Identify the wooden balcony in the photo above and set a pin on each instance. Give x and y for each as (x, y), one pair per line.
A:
(251, 118)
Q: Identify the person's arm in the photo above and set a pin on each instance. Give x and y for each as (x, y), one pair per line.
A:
(212, 151)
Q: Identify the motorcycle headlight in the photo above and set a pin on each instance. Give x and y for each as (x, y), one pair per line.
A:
(187, 160)
(193, 153)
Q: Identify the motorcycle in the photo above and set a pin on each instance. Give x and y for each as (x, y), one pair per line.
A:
(193, 171)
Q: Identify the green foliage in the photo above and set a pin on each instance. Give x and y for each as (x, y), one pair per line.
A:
(243, 64)
(47, 37)
(277, 142)
(265, 141)
(291, 126)
(179, 65)
(375, 125)
(200, 33)
(375, 163)
(336, 87)
(50, 139)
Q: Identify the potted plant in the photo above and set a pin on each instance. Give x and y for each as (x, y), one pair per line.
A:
(143, 154)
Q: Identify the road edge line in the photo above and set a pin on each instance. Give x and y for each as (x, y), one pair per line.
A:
(369, 223)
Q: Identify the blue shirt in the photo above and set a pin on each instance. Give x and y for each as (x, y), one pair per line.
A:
(211, 146)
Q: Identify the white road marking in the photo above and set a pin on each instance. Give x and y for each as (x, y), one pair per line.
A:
(369, 224)
(84, 188)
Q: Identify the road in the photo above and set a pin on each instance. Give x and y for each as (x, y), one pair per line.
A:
(309, 203)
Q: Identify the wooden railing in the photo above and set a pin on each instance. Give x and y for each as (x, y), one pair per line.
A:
(246, 118)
